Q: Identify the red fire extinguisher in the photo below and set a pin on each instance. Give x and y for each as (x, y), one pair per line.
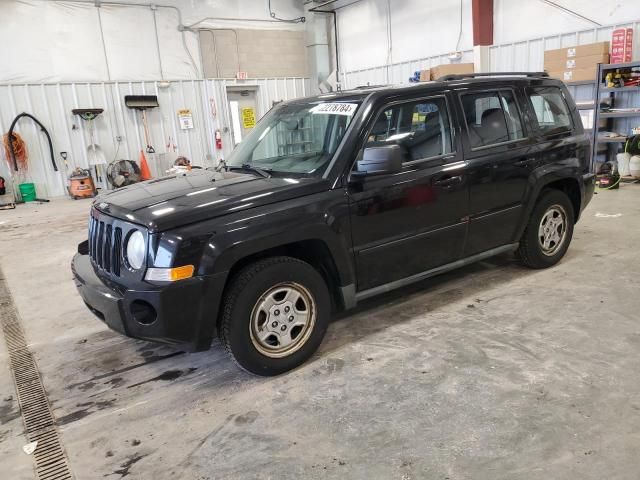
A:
(218, 140)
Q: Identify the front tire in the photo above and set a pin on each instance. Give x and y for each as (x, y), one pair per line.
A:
(275, 315)
(549, 231)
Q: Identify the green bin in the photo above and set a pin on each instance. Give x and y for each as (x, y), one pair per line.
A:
(27, 192)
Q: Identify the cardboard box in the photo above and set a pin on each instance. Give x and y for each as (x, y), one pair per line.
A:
(425, 75)
(576, 62)
(562, 54)
(621, 45)
(451, 69)
(575, 75)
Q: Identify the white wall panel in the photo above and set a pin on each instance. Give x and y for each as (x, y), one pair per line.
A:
(52, 105)
(396, 73)
(53, 41)
(523, 19)
(528, 55)
(380, 32)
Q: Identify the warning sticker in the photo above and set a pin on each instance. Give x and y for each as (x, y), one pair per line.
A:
(186, 119)
(335, 108)
(248, 117)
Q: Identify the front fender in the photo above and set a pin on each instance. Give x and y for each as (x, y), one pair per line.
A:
(216, 245)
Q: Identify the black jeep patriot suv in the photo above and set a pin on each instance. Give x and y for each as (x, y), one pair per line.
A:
(331, 200)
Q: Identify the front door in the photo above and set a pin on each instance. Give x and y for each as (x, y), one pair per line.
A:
(412, 221)
(244, 115)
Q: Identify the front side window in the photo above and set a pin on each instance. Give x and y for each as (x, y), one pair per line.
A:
(422, 128)
(551, 110)
(492, 118)
(297, 138)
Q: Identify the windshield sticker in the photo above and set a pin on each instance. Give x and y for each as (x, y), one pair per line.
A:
(335, 108)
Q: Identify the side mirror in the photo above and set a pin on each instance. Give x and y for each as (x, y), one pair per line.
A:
(380, 161)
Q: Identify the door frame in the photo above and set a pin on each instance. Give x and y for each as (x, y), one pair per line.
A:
(255, 89)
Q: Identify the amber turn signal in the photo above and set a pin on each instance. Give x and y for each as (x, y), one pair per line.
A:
(169, 274)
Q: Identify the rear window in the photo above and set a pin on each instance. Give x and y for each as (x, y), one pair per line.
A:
(550, 107)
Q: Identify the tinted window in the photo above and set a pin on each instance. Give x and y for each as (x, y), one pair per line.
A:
(492, 117)
(551, 109)
(421, 127)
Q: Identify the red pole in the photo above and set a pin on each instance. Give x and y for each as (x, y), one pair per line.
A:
(482, 13)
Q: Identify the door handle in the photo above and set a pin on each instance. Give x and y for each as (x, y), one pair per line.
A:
(524, 162)
(448, 181)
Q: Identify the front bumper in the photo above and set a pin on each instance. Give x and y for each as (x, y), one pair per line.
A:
(185, 311)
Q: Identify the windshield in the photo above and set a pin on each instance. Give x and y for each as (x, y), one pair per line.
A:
(295, 138)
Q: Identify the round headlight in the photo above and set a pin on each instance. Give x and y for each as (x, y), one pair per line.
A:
(136, 250)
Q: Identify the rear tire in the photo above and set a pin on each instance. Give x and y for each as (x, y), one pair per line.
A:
(275, 315)
(549, 231)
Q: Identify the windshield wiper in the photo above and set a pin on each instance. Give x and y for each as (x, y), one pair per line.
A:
(251, 168)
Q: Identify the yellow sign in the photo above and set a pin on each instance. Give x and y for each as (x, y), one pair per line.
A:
(248, 117)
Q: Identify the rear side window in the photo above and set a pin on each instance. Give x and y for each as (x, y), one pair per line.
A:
(551, 110)
(492, 118)
(421, 127)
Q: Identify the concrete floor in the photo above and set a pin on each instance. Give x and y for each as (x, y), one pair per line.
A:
(490, 372)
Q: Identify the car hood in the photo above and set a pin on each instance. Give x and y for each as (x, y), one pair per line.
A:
(170, 202)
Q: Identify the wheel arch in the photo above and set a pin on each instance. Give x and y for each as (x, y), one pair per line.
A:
(571, 187)
(314, 251)
(563, 180)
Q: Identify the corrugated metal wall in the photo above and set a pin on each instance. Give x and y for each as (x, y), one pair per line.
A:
(395, 73)
(528, 55)
(52, 105)
(519, 56)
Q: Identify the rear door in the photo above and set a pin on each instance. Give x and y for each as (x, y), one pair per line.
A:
(414, 220)
(500, 157)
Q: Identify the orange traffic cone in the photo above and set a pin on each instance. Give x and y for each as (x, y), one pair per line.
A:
(145, 173)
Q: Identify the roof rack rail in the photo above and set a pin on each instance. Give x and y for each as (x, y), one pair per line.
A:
(366, 87)
(462, 76)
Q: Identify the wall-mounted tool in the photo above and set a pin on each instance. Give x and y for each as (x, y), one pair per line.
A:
(143, 103)
(96, 156)
(11, 136)
(171, 145)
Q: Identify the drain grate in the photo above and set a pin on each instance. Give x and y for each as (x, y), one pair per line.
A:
(51, 461)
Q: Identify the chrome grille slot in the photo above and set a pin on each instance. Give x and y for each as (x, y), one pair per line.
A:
(107, 253)
(117, 248)
(99, 257)
(106, 241)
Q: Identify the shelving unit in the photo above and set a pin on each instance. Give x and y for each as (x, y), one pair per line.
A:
(620, 114)
(631, 93)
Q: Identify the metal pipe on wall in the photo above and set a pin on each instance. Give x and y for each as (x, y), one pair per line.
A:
(104, 45)
(155, 30)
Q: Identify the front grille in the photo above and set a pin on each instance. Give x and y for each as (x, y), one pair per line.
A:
(105, 244)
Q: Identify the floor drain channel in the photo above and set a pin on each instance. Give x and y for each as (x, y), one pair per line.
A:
(51, 462)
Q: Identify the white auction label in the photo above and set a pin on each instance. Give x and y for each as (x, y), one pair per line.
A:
(335, 108)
